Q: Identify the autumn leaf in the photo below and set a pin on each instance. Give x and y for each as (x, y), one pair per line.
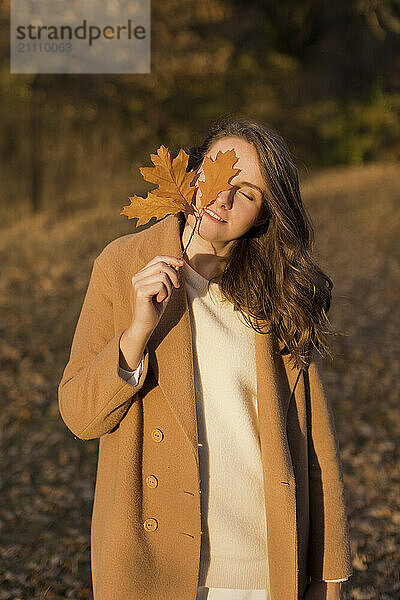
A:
(176, 191)
(217, 175)
(174, 194)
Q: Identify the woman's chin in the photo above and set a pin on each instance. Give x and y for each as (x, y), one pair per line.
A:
(210, 232)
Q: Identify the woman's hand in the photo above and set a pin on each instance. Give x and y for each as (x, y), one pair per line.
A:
(151, 290)
(323, 590)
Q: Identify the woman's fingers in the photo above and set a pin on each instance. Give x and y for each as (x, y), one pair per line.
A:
(160, 265)
(151, 289)
(159, 284)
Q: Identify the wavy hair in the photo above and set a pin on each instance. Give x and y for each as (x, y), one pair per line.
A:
(270, 275)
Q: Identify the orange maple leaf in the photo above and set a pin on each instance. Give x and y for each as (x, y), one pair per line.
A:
(176, 191)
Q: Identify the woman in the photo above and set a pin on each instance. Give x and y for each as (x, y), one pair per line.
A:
(219, 473)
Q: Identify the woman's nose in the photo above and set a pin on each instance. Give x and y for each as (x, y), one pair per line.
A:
(225, 198)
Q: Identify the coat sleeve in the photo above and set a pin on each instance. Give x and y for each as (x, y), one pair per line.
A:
(329, 541)
(92, 396)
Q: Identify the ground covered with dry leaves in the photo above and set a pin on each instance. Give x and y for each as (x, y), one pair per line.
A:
(47, 476)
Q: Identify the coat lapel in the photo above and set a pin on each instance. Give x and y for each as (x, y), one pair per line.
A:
(170, 345)
(171, 358)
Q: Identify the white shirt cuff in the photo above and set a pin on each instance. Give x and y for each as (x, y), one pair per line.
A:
(132, 377)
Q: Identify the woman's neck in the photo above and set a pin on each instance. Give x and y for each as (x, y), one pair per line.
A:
(201, 255)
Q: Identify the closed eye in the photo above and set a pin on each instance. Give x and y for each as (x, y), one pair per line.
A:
(249, 197)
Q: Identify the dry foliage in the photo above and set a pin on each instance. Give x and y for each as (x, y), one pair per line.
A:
(176, 187)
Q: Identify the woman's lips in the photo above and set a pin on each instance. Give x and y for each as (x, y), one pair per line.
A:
(213, 219)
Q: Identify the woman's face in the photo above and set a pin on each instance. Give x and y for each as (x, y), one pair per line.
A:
(241, 205)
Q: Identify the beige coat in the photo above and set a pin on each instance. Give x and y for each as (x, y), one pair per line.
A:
(146, 522)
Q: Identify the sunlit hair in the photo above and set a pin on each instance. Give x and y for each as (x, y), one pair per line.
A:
(270, 275)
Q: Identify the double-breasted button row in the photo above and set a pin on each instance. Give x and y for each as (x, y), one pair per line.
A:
(151, 524)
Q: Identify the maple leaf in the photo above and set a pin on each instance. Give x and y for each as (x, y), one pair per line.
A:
(174, 194)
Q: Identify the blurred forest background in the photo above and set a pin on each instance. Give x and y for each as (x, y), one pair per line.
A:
(326, 75)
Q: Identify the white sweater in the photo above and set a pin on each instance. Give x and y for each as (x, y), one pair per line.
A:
(234, 550)
(234, 544)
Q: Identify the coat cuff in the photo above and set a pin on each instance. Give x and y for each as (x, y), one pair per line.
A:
(93, 398)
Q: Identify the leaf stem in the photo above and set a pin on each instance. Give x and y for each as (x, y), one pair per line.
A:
(198, 218)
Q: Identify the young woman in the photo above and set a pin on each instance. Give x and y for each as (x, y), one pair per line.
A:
(197, 365)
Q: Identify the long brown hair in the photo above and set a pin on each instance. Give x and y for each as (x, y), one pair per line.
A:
(270, 275)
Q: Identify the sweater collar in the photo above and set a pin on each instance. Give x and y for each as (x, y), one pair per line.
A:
(196, 280)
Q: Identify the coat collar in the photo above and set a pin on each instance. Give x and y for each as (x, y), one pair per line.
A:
(170, 354)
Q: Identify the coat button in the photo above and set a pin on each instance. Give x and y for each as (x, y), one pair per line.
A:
(157, 435)
(150, 524)
(152, 481)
